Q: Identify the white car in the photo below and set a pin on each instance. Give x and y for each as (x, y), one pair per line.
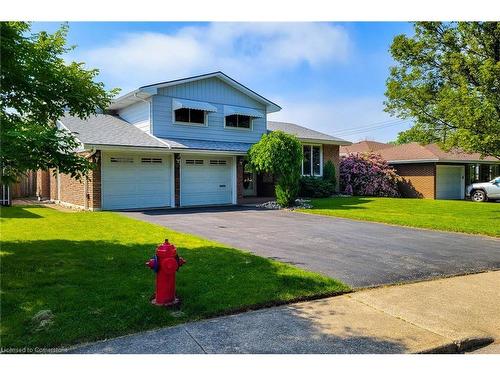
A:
(482, 191)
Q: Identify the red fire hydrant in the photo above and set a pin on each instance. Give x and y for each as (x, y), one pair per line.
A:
(165, 264)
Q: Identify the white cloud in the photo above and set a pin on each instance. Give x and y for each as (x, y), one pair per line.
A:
(353, 119)
(241, 49)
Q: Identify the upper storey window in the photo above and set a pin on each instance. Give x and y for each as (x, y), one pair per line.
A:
(190, 116)
(240, 117)
(191, 112)
(239, 121)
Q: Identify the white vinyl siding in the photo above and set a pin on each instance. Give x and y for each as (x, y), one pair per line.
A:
(135, 181)
(206, 180)
(137, 114)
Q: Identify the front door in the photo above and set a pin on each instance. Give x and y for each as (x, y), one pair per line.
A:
(249, 182)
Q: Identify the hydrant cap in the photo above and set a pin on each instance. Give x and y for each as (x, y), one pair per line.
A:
(166, 249)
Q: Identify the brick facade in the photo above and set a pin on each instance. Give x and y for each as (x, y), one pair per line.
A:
(418, 180)
(331, 152)
(266, 182)
(53, 185)
(63, 189)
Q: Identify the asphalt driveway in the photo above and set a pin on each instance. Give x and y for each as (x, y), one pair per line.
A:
(358, 253)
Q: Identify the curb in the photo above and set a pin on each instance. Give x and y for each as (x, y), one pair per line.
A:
(467, 344)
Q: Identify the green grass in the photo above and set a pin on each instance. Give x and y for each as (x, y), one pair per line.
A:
(88, 269)
(455, 216)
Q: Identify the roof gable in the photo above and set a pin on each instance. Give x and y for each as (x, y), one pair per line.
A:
(212, 90)
(144, 92)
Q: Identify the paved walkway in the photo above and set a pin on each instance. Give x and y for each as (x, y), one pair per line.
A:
(408, 318)
(359, 253)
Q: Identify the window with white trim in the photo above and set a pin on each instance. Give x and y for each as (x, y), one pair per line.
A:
(238, 121)
(311, 164)
(189, 116)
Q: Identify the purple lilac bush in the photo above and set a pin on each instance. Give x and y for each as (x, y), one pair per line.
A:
(367, 174)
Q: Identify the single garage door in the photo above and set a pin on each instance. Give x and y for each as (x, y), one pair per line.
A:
(206, 180)
(135, 181)
(450, 181)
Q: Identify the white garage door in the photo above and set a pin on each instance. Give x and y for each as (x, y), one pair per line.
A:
(135, 181)
(450, 181)
(206, 180)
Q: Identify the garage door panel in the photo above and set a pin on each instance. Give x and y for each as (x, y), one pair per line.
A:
(206, 183)
(450, 182)
(135, 184)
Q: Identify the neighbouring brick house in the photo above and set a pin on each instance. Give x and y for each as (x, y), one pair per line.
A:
(427, 171)
(178, 143)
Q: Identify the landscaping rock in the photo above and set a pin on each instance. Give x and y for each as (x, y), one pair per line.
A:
(299, 203)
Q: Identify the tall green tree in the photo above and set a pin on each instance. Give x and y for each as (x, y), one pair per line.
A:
(447, 79)
(37, 87)
(280, 154)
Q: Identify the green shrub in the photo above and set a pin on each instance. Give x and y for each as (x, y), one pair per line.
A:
(280, 154)
(329, 172)
(313, 187)
(286, 190)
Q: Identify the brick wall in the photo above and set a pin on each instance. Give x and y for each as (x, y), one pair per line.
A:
(52, 185)
(73, 191)
(417, 180)
(94, 186)
(331, 152)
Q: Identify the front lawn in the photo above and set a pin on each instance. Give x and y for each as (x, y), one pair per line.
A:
(456, 216)
(88, 270)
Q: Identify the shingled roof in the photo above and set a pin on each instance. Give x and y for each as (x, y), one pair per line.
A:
(414, 152)
(305, 134)
(109, 130)
(363, 146)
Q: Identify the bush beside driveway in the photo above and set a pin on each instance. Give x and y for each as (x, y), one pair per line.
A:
(85, 271)
(448, 215)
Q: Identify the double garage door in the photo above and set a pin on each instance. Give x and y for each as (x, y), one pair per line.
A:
(132, 181)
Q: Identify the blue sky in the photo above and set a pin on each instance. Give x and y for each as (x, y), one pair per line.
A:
(326, 76)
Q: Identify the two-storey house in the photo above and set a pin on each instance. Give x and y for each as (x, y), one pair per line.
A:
(178, 143)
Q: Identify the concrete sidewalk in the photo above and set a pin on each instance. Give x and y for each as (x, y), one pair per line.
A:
(447, 315)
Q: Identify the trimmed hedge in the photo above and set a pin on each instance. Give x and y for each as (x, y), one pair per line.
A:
(313, 187)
